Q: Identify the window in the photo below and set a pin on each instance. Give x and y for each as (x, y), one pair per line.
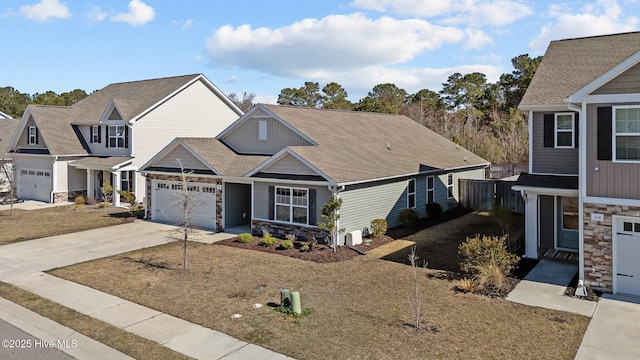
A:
(95, 134)
(570, 219)
(262, 130)
(33, 135)
(626, 132)
(209, 189)
(564, 130)
(631, 227)
(116, 136)
(430, 190)
(125, 181)
(450, 186)
(411, 194)
(162, 186)
(292, 205)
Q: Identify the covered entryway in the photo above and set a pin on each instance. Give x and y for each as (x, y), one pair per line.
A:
(34, 185)
(626, 245)
(167, 199)
(237, 206)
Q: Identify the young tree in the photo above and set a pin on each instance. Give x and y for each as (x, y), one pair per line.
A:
(8, 172)
(107, 193)
(185, 201)
(129, 198)
(415, 294)
(330, 213)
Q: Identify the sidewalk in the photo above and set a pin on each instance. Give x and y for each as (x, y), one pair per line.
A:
(25, 262)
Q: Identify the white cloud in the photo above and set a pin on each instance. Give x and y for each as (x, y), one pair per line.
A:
(596, 18)
(139, 14)
(336, 42)
(46, 9)
(477, 39)
(467, 12)
(187, 24)
(95, 14)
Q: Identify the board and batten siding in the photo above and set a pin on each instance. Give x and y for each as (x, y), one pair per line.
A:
(626, 83)
(550, 160)
(244, 139)
(188, 160)
(289, 165)
(613, 179)
(261, 198)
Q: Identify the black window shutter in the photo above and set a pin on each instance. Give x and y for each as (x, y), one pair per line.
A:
(106, 136)
(90, 134)
(272, 202)
(575, 129)
(126, 137)
(312, 206)
(605, 118)
(549, 131)
(36, 136)
(99, 134)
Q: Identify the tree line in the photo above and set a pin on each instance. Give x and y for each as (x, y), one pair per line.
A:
(14, 102)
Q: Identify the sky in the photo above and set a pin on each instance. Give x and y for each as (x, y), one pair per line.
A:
(263, 46)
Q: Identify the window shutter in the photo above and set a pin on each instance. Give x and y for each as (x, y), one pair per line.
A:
(549, 131)
(91, 134)
(272, 202)
(312, 206)
(575, 129)
(605, 116)
(106, 136)
(126, 137)
(36, 136)
(99, 134)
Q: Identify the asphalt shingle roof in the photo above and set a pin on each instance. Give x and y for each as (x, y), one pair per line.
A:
(568, 65)
(7, 129)
(221, 158)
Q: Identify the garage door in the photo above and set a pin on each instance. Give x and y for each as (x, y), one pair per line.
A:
(34, 185)
(166, 202)
(627, 266)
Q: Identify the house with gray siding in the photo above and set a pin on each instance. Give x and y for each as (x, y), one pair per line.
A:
(7, 128)
(276, 166)
(62, 152)
(582, 191)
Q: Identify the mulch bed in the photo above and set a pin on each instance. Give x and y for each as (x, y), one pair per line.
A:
(424, 223)
(321, 253)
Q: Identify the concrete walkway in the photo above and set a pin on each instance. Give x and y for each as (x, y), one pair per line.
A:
(24, 263)
(33, 205)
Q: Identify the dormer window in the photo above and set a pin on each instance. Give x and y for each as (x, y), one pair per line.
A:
(116, 136)
(33, 135)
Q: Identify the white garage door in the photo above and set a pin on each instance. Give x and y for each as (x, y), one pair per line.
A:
(167, 198)
(34, 184)
(627, 254)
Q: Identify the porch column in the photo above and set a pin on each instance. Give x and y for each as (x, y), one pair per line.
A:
(531, 226)
(116, 187)
(90, 182)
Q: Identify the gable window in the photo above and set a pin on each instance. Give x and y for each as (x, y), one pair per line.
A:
(430, 189)
(564, 130)
(262, 130)
(626, 133)
(33, 135)
(450, 186)
(116, 136)
(292, 205)
(411, 194)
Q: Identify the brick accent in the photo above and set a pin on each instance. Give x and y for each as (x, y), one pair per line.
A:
(598, 244)
(68, 196)
(214, 182)
(279, 230)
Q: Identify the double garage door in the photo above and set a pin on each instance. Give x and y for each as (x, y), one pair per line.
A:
(627, 254)
(34, 185)
(168, 199)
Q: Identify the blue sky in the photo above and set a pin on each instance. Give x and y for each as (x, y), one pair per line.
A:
(263, 46)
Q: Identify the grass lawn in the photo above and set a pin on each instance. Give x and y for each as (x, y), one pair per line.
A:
(358, 308)
(33, 224)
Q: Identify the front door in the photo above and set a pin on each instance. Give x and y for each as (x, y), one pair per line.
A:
(626, 255)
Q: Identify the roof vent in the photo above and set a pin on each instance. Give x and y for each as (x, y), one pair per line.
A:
(388, 146)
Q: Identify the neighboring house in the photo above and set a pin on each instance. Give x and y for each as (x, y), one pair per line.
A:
(7, 129)
(582, 192)
(276, 167)
(64, 152)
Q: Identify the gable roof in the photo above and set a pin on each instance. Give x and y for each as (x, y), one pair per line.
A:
(359, 146)
(7, 129)
(4, 116)
(570, 65)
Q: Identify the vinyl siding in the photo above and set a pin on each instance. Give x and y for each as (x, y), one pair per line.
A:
(77, 178)
(363, 204)
(101, 149)
(549, 160)
(614, 179)
(23, 140)
(62, 176)
(44, 162)
(289, 165)
(626, 83)
(188, 160)
(261, 198)
(244, 139)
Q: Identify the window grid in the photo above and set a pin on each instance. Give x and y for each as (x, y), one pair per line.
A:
(430, 190)
(96, 135)
(450, 186)
(33, 135)
(292, 205)
(116, 136)
(626, 133)
(564, 130)
(411, 194)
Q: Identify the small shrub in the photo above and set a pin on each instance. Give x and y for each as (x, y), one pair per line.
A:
(434, 210)
(304, 248)
(268, 241)
(245, 238)
(286, 244)
(291, 237)
(478, 253)
(378, 227)
(408, 217)
(467, 285)
(489, 275)
(80, 200)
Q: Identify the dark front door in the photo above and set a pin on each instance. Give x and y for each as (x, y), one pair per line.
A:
(547, 220)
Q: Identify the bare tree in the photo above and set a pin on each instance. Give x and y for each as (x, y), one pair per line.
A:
(415, 295)
(185, 201)
(245, 102)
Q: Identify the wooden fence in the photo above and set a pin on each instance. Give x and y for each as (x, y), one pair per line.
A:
(499, 171)
(482, 194)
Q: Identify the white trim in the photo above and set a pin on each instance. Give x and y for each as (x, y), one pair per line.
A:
(556, 130)
(614, 245)
(546, 191)
(96, 134)
(544, 108)
(559, 224)
(582, 185)
(34, 135)
(612, 98)
(279, 155)
(170, 147)
(433, 187)
(553, 174)
(291, 205)
(530, 126)
(104, 119)
(262, 130)
(611, 201)
(415, 202)
(450, 195)
(614, 134)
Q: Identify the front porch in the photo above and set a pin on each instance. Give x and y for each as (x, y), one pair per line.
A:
(118, 171)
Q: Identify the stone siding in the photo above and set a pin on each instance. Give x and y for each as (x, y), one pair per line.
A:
(598, 244)
(205, 180)
(68, 196)
(279, 230)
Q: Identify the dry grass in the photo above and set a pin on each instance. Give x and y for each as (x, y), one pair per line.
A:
(358, 308)
(125, 342)
(33, 224)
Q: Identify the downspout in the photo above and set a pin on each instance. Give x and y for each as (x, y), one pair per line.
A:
(582, 184)
(335, 191)
(54, 176)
